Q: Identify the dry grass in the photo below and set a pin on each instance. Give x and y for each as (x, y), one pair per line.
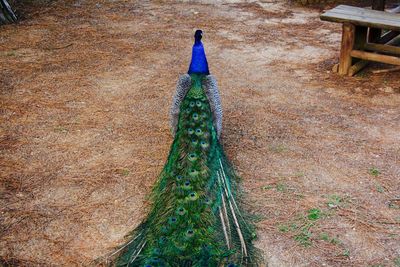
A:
(85, 93)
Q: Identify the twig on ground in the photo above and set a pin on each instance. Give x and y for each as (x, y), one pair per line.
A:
(386, 70)
(57, 48)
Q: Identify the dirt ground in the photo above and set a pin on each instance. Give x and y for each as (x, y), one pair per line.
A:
(85, 91)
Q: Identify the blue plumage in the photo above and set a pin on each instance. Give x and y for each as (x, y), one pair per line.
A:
(199, 63)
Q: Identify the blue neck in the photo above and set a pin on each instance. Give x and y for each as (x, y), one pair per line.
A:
(199, 61)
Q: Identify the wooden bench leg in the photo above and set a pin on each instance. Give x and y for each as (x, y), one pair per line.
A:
(360, 40)
(346, 47)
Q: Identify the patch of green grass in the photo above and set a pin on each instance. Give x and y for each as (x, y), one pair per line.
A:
(299, 174)
(279, 148)
(346, 253)
(397, 261)
(293, 227)
(314, 214)
(61, 129)
(334, 201)
(281, 187)
(335, 241)
(393, 205)
(379, 188)
(283, 228)
(324, 236)
(302, 226)
(327, 238)
(374, 171)
(303, 238)
(124, 172)
(267, 187)
(11, 53)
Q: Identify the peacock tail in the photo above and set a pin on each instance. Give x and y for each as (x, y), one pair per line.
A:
(194, 218)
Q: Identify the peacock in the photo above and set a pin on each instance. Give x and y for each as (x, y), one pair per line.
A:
(195, 218)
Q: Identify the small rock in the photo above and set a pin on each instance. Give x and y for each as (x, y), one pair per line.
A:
(388, 89)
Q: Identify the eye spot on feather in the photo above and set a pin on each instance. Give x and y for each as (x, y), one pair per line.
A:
(231, 265)
(179, 178)
(164, 229)
(192, 104)
(203, 144)
(190, 233)
(181, 211)
(192, 157)
(193, 196)
(203, 115)
(198, 103)
(186, 185)
(195, 142)
(195, 116)
(162, 240)
(190, 131)
(207, 201)
(172, 220)
(193, 172)
(199, 131)
(156, 251)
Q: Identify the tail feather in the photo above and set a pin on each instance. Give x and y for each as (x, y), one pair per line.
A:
(195, 219)
(235, 222)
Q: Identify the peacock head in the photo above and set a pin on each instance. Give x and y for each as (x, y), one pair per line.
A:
(198, 64)
(197, 36)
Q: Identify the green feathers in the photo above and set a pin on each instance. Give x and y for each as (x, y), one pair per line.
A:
(194, 220)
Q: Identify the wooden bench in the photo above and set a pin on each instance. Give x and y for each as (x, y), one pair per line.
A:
(357, 46)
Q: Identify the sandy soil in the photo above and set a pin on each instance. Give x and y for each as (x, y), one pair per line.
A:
(85, 93)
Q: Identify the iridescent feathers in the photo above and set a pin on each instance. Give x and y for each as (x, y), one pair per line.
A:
(195, 219)
(209, 85)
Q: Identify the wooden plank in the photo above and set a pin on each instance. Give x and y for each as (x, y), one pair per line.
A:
(386, 70)
(364, 11)
(363, 14)
(383, 48)
(381, 19)
(375, 57)
(357, 67)
(348, 37)
(359, 11)
(363, 17)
